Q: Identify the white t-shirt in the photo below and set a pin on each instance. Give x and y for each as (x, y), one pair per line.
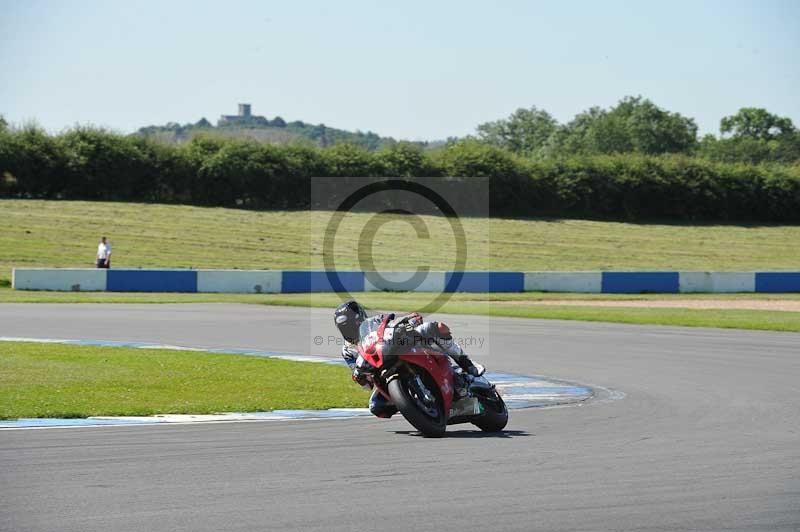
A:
(103, 250)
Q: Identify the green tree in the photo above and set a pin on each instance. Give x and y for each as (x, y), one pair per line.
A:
(577, 137)
(756, 123)
(654, 130)
(244, 172)
(404, 159)
(754, 136)
(525, 132)
(349, 160)
(471, 158)
(783, 149)
(35, 161)
(9, 151)
(635, 125)
(102, 164)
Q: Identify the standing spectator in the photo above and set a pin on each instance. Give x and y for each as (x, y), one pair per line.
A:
(103, 253)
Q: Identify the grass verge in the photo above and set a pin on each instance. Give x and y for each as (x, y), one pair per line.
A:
(764, 320)
(513, 305)
(38, 233)
(54, 380)
(7, 295)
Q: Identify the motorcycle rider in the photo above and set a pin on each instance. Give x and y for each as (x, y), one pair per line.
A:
(349, 316)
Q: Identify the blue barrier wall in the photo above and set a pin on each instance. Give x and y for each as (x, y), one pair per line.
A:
(778, 282)
(151, 281)
(640, 282)
(484, 282)
(306, 281)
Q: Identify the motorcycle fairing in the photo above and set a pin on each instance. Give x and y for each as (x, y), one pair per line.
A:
(438, 367)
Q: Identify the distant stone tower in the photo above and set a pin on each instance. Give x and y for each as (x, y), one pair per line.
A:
(245, 117)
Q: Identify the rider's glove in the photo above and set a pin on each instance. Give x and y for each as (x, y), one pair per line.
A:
(362, 379)
(415, 319)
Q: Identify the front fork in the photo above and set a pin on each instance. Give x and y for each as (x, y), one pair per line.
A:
(392, 373)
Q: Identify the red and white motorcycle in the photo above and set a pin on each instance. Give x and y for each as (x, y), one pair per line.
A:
(422, 381)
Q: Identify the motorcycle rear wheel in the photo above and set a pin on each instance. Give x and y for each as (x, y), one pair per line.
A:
(402, 397)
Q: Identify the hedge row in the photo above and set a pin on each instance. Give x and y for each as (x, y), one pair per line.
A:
(87, 163)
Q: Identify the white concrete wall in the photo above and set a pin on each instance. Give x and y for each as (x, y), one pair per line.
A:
(239, 281)
(69, 280)
(584, 282)
(433, 282)
(717, 282)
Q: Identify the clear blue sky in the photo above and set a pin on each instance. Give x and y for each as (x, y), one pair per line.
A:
(410, 69)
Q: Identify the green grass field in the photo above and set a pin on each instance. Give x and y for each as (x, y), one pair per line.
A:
(53, 380)
(65, 234)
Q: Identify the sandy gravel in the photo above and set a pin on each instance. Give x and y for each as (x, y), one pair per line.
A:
(782, 305)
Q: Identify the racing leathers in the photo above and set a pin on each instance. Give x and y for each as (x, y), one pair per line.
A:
(432, 333)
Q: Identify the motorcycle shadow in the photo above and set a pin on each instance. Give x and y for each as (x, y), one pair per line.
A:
(470, 433)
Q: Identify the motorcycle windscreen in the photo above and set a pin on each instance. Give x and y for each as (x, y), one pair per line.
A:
(369, 342)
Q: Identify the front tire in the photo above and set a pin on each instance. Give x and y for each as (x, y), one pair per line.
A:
(403, 397)
(495, 415)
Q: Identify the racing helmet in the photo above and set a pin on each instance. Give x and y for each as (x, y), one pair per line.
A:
(348, 318)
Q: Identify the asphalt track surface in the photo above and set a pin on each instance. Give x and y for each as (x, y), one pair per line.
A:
(707, 437)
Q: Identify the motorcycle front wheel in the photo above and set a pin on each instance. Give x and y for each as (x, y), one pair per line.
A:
(425, 413)
(495, 414)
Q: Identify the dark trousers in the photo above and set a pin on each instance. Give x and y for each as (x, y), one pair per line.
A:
(102, 263)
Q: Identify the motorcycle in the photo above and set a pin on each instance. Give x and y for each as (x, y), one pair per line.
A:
(423, 382)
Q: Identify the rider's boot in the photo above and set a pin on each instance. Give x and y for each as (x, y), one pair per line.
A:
(476, 370)
(461, 358)
(470, 370)
(379, 406)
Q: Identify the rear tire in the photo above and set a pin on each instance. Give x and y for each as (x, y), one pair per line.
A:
(428, 426)
(495, 416)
